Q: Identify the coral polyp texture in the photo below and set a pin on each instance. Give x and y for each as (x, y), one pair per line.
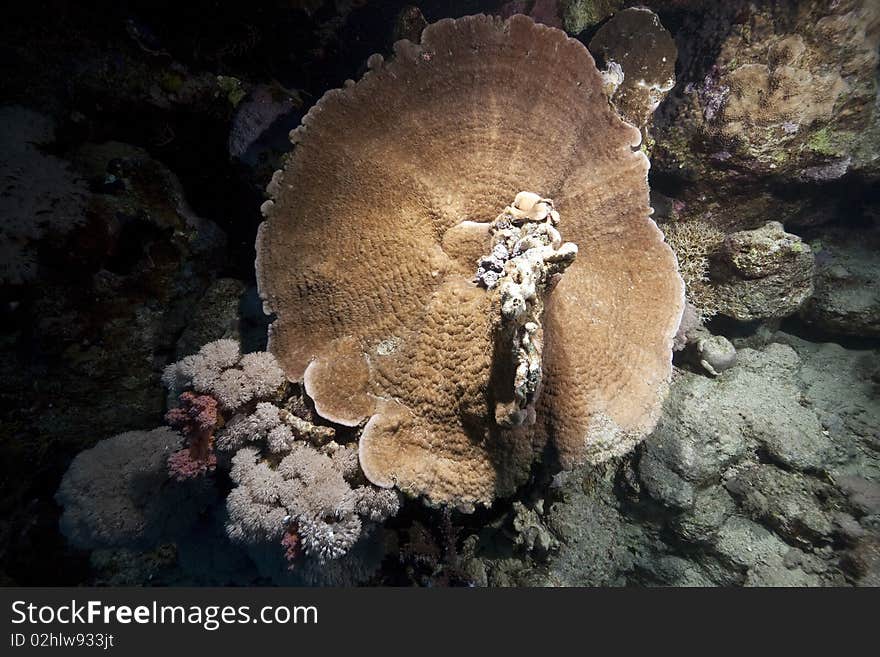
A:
(374, 231)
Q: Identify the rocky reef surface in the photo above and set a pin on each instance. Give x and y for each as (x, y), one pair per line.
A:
(763, 476)
(135, 154)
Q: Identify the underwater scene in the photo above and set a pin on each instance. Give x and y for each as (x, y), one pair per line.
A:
(475, 293)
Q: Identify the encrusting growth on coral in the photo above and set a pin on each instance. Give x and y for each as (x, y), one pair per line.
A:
(527, 257)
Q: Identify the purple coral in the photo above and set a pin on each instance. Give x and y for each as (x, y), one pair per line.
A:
(712, 94)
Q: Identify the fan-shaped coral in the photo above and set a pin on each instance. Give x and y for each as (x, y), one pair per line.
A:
(371, 241)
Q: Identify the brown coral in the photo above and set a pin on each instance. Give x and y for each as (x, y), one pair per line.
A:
(638, 55)
(694, 241)
(368, 252)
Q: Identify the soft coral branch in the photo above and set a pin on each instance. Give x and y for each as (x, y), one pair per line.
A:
(197, 418)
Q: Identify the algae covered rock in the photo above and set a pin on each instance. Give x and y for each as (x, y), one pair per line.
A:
(763, 273)
(792, 88)
(790, 98)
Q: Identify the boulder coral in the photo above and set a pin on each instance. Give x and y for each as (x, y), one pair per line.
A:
(638, 57)
(373, 232)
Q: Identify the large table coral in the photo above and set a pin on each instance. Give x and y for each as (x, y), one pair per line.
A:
(372, 237)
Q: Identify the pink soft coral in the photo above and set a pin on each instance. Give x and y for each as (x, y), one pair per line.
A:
(292, 546)
(196, 418)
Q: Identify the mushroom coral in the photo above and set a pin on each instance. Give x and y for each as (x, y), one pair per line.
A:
(368, 253)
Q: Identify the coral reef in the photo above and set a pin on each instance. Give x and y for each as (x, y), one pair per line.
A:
(302, 502)
(715, 353)
(137, 145)
(85, 342)
(409, 24)
(398, 334)
(255, 114)
(540, 11)
(214, 316)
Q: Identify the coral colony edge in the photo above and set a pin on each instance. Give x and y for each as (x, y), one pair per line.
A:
(559, 293)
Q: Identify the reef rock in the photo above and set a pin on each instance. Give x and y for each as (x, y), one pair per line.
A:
(762, 273)
(846, 300)
(786, 501)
